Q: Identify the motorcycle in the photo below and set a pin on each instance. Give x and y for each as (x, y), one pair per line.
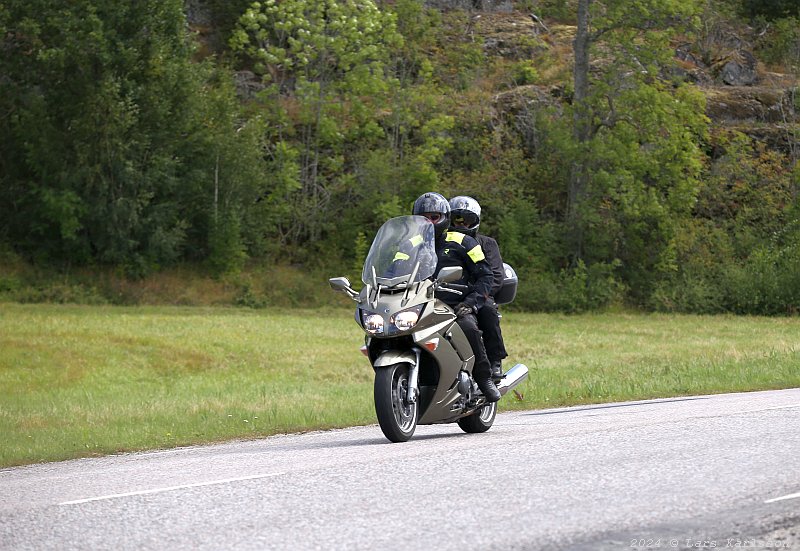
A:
(422, 360)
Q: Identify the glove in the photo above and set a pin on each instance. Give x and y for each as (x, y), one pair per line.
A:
(463, 309)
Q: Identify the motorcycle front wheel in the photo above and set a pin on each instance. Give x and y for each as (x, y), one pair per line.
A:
(397, 417)
(481, 420)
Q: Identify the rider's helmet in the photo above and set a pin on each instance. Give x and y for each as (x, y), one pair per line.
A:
(435, 208)
(465, 214)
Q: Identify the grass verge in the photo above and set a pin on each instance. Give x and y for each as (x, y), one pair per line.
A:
(81, 380)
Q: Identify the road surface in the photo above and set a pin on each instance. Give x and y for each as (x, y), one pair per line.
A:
(685, 473)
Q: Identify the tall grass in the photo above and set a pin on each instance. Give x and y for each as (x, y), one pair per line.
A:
(82, 380)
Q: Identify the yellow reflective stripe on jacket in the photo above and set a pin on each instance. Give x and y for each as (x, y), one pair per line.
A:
(476, 254)
(458, 237)
(416, 240)
(400, 256)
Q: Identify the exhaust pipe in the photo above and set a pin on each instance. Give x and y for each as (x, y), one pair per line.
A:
(512, 378)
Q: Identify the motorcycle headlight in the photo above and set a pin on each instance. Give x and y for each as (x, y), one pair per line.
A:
(405, 320)
(373, 323)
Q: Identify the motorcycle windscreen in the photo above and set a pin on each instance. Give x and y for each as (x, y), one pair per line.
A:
(400, 245)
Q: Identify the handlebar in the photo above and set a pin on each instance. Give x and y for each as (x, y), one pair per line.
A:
(454, 288)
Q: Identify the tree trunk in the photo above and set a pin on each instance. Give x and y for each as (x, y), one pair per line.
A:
(581, 130)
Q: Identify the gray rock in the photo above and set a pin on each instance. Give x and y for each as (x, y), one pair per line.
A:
(740, 72)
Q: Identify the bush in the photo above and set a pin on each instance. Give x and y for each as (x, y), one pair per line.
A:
(226, 251)
(688, 292)
(574, 290)
(524, 72)
(768, 283)
(59, 293)
(9, 284)
(780, 45)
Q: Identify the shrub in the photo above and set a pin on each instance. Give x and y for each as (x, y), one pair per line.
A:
(59, 293)
(688, 292)
(524, 73)
(780, 44)
(573, 290)
(768, 281)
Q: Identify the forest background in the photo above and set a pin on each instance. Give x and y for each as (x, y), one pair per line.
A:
(634, 153)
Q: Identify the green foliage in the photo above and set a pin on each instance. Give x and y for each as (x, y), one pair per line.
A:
(58, 293)
(768, 282)
(225, 15)
(110, 133)
(701, 251)
(748, 190)
(361, 249)
(526, 239)
(10, 284)
(739, 252)
(780, 44)
(226, 250)
(571, 290)
(635, 156)
(644, 169)
(122, 152)
(524, 72)
(325, 67)
(772, 9)
(463, 59)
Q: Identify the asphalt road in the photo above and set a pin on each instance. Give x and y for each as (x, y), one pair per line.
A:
(686, 473)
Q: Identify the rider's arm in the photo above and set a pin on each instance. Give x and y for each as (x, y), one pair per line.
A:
(480, 273)
(492, 252)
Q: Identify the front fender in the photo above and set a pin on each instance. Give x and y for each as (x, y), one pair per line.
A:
(391, 357)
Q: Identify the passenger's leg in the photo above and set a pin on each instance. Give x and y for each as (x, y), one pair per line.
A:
(482, 372)
(489, 324)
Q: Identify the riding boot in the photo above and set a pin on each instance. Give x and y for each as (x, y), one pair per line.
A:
(497, 370)
(488, 389)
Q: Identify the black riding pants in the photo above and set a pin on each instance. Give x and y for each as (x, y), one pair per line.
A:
(469, 325)
(489, 324)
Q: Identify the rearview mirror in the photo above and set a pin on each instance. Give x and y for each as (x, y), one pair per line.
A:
(339, 283)
(343, 284)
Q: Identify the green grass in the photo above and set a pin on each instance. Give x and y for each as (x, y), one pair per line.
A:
(80, 380)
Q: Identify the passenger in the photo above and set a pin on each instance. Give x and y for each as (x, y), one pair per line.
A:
(459, 249)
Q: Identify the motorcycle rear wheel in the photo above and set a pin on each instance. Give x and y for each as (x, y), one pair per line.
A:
(481, 420)
(397, 418)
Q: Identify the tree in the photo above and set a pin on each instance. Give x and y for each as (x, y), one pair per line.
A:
(324, 66)
(113, 136)
(635, 157)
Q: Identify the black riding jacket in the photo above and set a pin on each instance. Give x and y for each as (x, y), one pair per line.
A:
(492, 251)
(459, 249)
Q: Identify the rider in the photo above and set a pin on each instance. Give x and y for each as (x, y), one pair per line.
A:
(465, 217)
(459, 249)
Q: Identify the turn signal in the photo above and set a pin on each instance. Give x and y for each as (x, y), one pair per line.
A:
(432, 344)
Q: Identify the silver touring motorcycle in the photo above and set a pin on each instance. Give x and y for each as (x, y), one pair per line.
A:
(421, 357)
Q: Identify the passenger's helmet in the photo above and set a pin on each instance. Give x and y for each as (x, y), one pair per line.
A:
(435, 208)
(465, 214)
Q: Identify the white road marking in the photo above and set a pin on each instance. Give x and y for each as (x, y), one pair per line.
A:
(783, 498)
(170, 488)
(783, 407)
(767, 409)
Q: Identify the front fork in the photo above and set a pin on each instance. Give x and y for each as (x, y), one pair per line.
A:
(413, 378)
(391, 357)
